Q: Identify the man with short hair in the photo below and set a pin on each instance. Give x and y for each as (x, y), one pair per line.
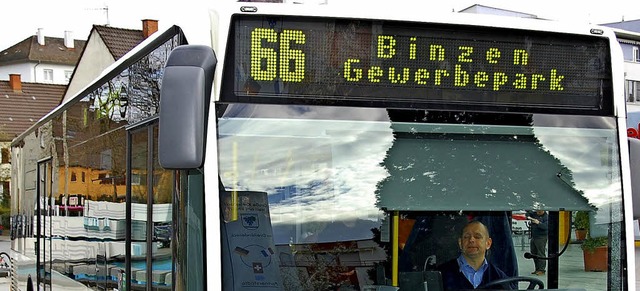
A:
(471, 269)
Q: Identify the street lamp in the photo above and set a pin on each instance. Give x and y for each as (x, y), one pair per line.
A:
(124, 101)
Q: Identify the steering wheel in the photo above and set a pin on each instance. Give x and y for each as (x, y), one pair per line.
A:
(505, 282)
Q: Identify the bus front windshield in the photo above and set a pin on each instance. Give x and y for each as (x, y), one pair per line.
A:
(356, 197)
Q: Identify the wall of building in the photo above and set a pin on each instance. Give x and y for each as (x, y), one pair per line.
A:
(25, 71)
(632, 70)
(61, 73)
(627, 51)
(35, 72)
(95, 59)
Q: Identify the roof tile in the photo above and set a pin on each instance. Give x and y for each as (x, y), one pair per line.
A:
(119, 40)
(20, 110)
(54, 51)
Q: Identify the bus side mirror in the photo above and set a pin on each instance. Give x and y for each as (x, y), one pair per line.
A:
(634, 161)
(184, 106)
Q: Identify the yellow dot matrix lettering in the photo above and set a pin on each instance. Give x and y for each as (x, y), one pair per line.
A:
(399, 78)
(499, 79)
(352, 75)
(555, 82)
(493, 54)
(535, 78)
(436, 52)
(465, 54)
(412, 48)
(480, 79)
(374, 74)
(439, 74)
(421, 76)
(520, 82)
(520, 57)
(386, 46)
(259, 53)
(287, 55)
(460, 77)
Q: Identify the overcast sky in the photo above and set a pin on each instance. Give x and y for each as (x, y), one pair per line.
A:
(23, 18)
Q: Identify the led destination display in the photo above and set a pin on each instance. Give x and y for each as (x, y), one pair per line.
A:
(359, 60)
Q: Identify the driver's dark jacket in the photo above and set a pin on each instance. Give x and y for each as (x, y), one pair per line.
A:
(454, 279)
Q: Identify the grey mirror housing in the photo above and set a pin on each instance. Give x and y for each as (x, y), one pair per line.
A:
(184, 106)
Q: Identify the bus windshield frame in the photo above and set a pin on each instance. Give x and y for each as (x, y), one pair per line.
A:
(363, 146)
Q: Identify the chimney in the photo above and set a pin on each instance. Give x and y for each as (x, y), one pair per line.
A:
(149, 26)
(68, 39)
(15, 83)
(40, 36)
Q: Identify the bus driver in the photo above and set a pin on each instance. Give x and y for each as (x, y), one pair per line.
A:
(471, 269)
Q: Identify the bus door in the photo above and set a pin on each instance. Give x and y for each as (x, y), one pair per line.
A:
(43, 224)
(149, 212)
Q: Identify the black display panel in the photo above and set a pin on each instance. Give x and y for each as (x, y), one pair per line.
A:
(307, 60)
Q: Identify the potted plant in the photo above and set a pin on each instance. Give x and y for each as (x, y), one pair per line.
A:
(596, 254)
(581, 221)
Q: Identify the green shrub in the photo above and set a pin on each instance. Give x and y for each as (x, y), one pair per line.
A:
(581, 221)
(590, 244)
